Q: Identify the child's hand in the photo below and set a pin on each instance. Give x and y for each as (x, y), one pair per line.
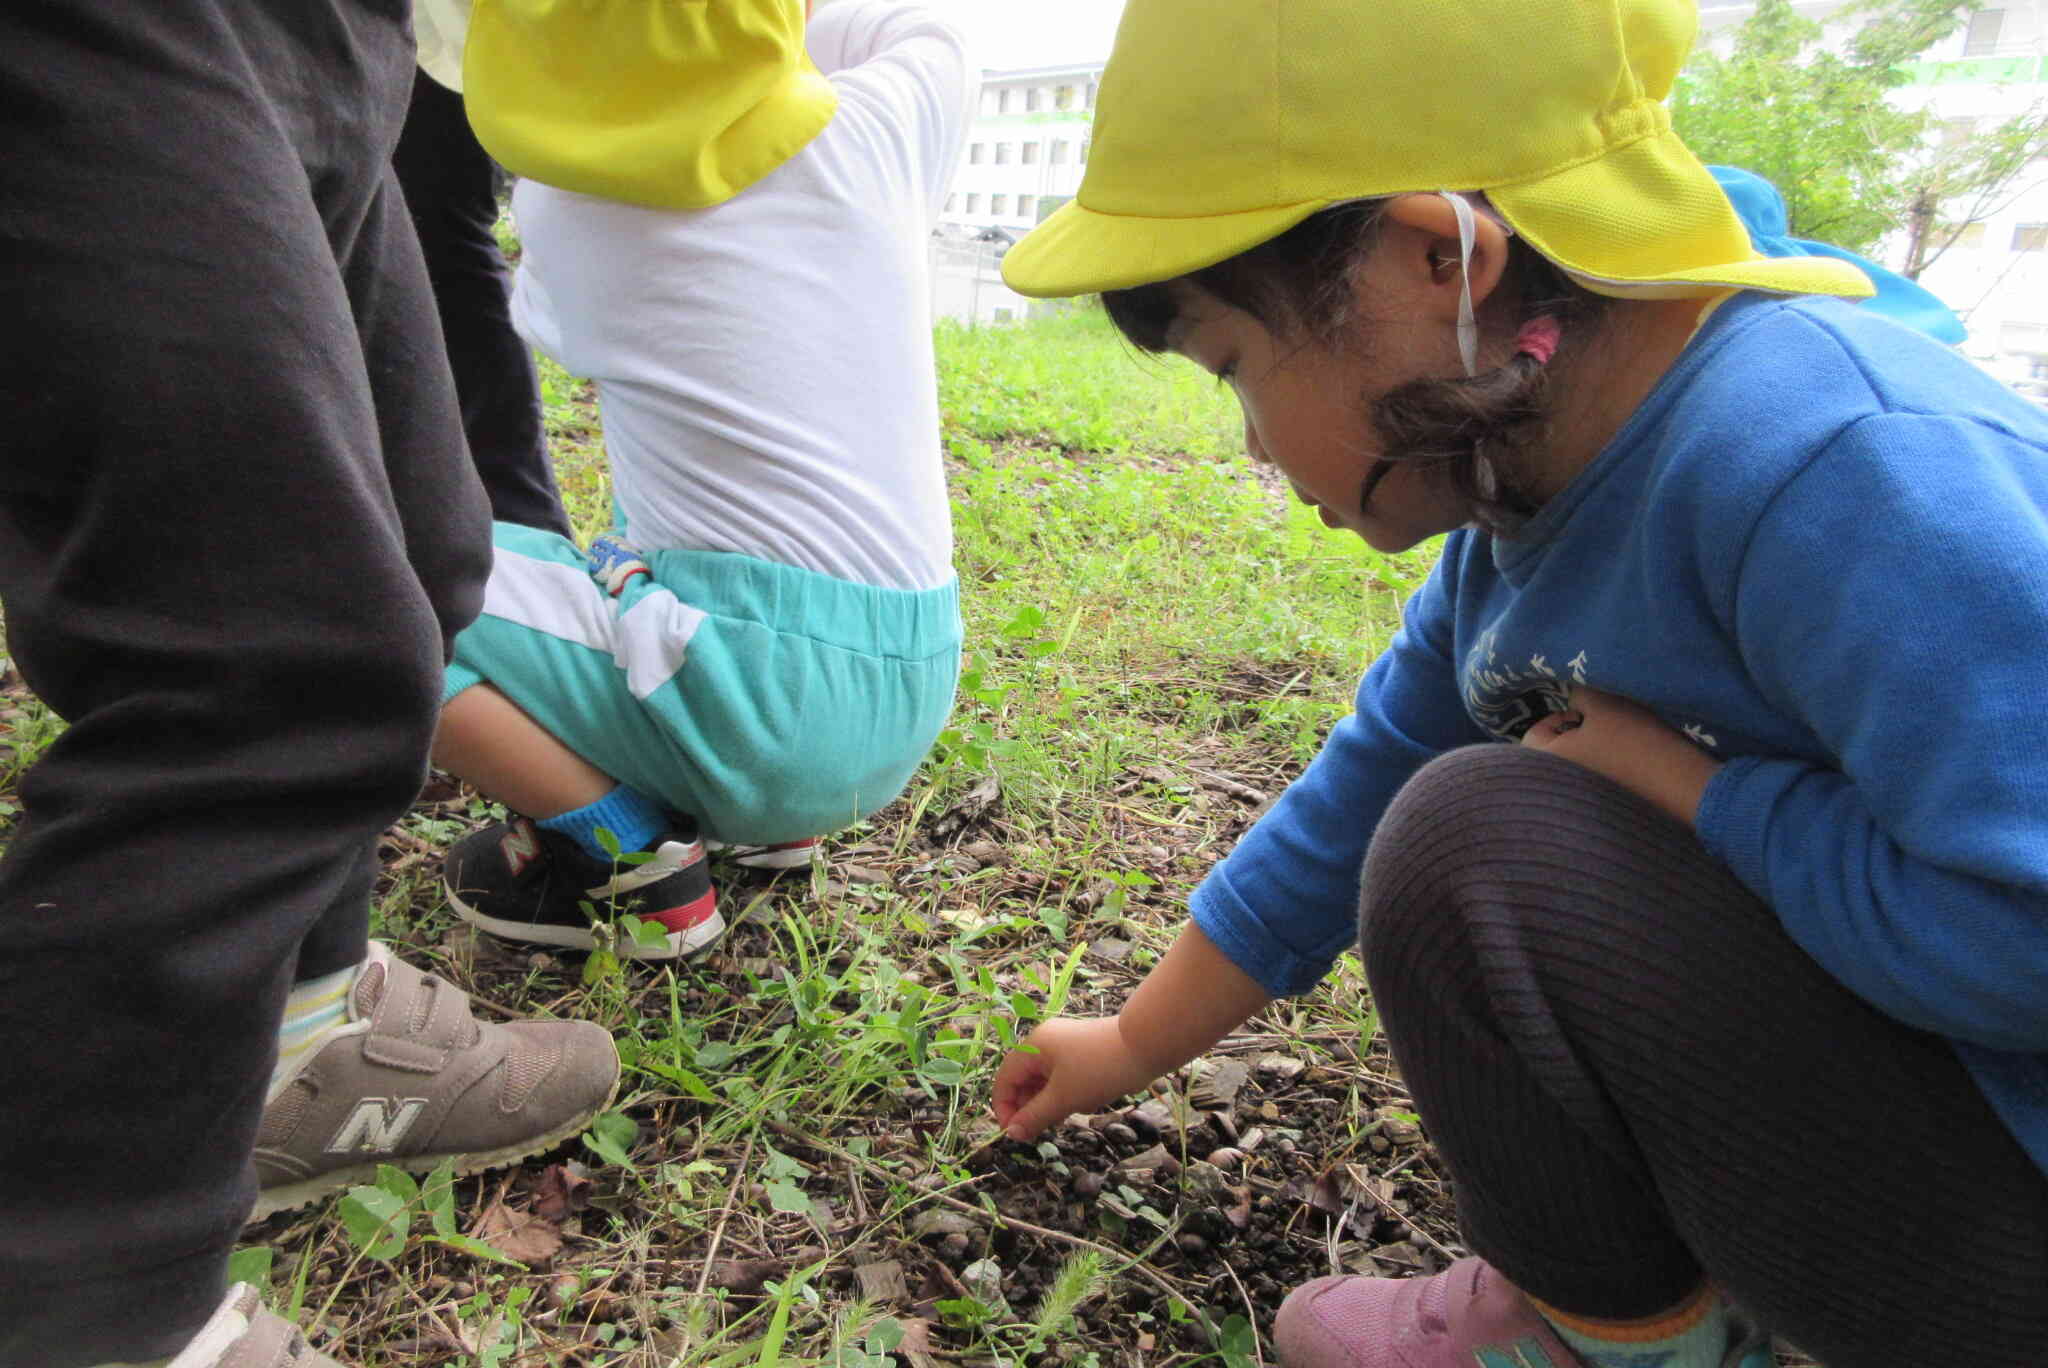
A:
(1079, 1065)
(1630, 745)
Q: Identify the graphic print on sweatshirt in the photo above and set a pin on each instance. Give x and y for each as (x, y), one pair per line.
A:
(1507, 696)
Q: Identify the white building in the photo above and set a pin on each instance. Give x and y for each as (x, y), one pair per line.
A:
(1996, 276)
(1027, 147)
(1026, 151)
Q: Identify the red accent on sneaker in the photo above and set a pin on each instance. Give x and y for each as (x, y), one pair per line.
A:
(693, 913)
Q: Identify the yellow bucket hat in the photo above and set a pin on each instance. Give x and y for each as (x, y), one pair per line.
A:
(675, 104)
(1222, 123)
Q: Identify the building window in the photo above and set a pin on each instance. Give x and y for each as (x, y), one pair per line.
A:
(1084, 151)
(1031, 98)
(1091, 94)
(1002, 154)
(1972, 236)
(1059, 151)
(1956, 133)
(1063, 97)
(1031, 154)
(2030, 237)
(1983, 36)
(973, 203)
(999, 205)
(951, 202)
(1024, 203)
(974, 154)
(1003, 100)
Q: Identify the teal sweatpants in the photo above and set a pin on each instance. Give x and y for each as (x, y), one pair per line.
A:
(771, 703)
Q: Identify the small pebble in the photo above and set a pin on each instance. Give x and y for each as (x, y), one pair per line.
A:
(1226, 1157)
(1087, 1184)
(955, 1246)
(1118, 1131)
(1193, 1244)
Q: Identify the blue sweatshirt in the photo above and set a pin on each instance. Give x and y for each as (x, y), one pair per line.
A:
(1820, 550)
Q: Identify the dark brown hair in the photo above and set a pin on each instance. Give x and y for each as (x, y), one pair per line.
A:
(1297, 285)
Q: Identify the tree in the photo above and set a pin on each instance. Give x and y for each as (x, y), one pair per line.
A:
(1966, 181)
(1818, 122)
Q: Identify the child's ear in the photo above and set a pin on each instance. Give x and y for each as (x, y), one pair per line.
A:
(1423, 230)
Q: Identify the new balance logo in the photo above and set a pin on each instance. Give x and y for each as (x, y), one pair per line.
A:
(377, 1125)
(521, 846)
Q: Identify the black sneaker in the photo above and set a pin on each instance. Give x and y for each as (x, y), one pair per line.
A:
(515, 879)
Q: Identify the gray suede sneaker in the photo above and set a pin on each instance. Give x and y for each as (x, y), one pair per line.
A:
(244, 1334)
(413, 1079)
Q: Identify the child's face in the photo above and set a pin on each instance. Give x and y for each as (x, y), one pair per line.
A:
(1307, 406)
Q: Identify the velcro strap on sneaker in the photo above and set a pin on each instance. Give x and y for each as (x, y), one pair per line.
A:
(420, 1022)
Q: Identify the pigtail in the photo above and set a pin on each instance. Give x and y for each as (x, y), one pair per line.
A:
(1475, 430)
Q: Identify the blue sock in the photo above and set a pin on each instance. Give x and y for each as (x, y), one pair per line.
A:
(631, 816)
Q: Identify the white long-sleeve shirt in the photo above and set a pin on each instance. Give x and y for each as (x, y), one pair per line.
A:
(764, 367)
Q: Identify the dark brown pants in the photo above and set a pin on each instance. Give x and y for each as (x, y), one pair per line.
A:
(1638, 1080)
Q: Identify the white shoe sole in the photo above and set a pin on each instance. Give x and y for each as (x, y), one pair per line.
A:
(676, 945)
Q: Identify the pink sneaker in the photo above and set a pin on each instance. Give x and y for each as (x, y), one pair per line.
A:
(1466, 1315)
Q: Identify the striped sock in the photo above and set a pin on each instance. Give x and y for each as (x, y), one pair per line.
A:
(631, 816)
(1692, 1335)
(312, 1012)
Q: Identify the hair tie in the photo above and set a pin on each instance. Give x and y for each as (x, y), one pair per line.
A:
(1539, 338)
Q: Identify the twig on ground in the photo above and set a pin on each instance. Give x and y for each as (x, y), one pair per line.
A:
(718, 1236)
(1384, 1205)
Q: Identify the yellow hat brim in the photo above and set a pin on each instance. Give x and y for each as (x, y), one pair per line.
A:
(1588, 220)
(1579, 218)
(1079, 251)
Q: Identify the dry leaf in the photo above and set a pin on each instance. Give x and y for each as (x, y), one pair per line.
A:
(746, 1277)
(519, 1235)
(882, 1281)
(1219, 1084)
(560, 1192)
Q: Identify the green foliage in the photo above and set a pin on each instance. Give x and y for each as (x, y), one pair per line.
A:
(1069, 380)
(1818, 121)
(380, 1219)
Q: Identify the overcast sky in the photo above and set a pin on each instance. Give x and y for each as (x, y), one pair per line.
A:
(1025, 33)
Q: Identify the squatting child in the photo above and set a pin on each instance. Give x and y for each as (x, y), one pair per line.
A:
(766, 646)
(1694, 827)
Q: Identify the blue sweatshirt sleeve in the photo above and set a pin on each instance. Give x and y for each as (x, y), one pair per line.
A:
(1284, 904)
(1894, 596)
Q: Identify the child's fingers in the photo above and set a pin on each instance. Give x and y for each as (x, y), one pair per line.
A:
(1042, 1110)
(1017, 1081)
(1546, 730)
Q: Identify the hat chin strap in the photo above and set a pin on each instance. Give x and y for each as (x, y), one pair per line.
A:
(1468, 322)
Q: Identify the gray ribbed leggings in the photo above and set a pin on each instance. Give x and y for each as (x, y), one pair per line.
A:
(1637, 1079)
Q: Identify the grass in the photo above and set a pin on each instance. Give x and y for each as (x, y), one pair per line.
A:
(800, 1168)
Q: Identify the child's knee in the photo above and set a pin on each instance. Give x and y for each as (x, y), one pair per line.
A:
(1443, 841)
